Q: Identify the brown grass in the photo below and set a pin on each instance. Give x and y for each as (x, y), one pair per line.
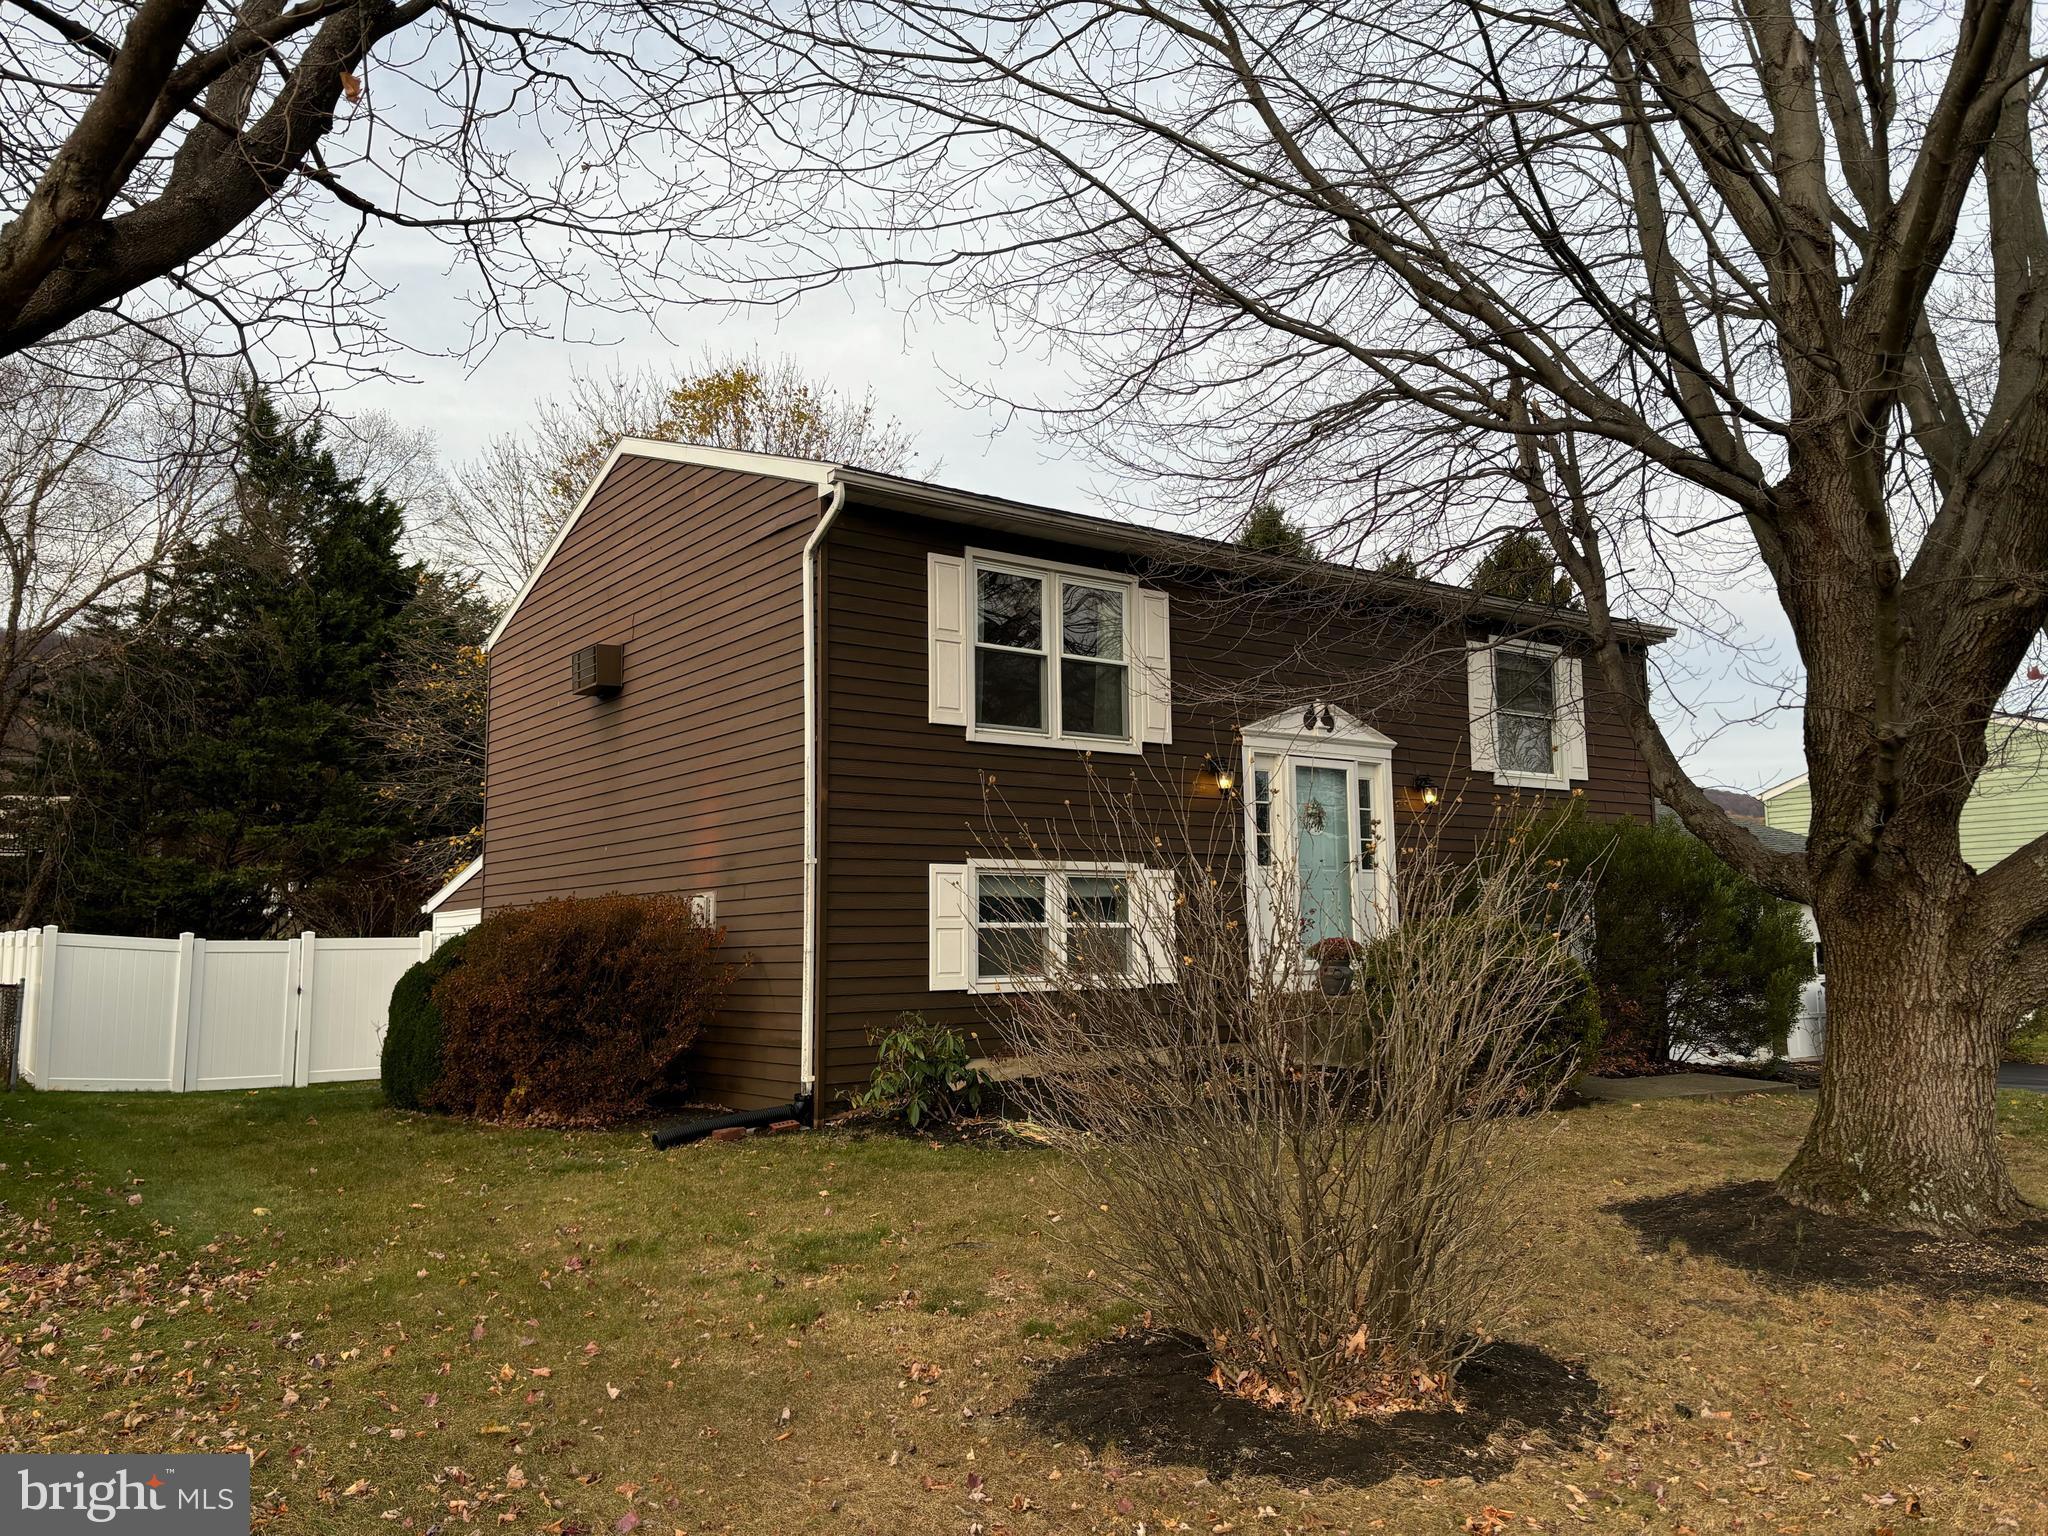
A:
(412, 1322)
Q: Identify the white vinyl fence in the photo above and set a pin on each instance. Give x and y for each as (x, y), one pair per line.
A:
(183, 1014)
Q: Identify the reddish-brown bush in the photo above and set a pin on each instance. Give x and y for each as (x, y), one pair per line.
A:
(576, 1011)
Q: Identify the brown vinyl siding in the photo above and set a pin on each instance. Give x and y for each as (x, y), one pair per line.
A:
(902, 794)
(691, 779)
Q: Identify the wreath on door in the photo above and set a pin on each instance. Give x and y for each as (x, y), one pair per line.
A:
(1313, 816)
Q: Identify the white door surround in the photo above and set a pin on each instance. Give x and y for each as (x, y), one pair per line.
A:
(1318, 795)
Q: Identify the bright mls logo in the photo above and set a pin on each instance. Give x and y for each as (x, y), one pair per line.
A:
(161, 1495)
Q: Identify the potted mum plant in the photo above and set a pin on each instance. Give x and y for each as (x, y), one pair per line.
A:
(1335, 959)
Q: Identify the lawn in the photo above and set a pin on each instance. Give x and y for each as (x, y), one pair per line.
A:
(411, 1323)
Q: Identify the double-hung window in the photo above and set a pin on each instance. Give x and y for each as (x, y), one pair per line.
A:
(1528, 714)
(1014, 925)
(1051, 659)
(1031, 652)
(1029, 924)
(1525, 710)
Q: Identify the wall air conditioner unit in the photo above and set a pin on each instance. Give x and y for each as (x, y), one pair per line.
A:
(598, 670)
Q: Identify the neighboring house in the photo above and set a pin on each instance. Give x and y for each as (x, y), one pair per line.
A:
(819, 696)
(458, 905)
(2007, 809)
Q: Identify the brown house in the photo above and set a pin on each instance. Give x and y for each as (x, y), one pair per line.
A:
(815, 697)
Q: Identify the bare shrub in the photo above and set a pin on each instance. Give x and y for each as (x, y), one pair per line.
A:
(1310, 1184)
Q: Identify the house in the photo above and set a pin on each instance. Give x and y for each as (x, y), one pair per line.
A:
(806, 692)
(459, 905)
(2007, 809)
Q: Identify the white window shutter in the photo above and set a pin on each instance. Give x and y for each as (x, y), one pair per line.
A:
(1571, 716)
(946, 639)
(1152, 915)
(1479, 704)
(951, 935)
(1153, 674)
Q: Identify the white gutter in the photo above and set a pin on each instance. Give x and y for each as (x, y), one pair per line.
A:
(807, 1070)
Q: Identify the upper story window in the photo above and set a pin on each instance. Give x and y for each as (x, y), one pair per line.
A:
(1050, 648)
(1038, 653)
(1525, 711)
(1528, 714)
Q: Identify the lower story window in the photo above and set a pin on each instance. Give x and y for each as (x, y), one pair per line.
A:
(1017, 925)
(1098, 925)
(1029, 923)
(1011, 922)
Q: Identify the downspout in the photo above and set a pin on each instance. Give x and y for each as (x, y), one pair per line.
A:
(808, 1041)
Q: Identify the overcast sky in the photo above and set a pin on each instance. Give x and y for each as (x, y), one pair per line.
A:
(868, 342)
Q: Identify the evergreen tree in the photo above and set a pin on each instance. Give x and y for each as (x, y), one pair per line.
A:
(227, 776)
(1519, 567)
(1403, 565)
(1687, 954)
(1270, 531)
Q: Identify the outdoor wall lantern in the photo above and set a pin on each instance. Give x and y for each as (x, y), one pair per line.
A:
(1422, 794)
(1217, 769)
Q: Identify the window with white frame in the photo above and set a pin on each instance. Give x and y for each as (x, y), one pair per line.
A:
(1004, 926)
(1528, 714)
(1049, 655)
(1034, 652)
(1525, 711)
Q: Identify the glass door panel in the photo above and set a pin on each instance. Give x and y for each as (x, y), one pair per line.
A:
(1322, 816)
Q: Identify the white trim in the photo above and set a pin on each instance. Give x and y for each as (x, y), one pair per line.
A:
(1141, 898)
(474, 867)
(1050, 613)
(1360, 750)
(1778, 789)
(809, 471)
(1562, 695)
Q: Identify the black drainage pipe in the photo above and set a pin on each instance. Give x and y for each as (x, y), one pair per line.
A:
(682, 1132)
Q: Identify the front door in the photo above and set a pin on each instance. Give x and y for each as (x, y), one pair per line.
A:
(1320, 841)
(1324, 851)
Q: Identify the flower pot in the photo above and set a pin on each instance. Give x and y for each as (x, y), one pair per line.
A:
(1335, 977)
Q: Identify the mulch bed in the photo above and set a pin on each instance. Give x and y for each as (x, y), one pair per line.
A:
(1149, 1395)
(1750, 1226)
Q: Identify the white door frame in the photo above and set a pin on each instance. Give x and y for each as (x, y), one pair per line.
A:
(1281, 743)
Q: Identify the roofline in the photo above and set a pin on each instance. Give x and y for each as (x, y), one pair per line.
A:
(1998, 717)
(1778, 789)
(810, 470)
(1056, 524)
(474, 867)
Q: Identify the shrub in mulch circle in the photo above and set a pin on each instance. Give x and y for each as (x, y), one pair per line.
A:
(578, 1011)
(1311, 1184)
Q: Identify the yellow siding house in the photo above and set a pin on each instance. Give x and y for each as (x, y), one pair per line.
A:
(2008, 809)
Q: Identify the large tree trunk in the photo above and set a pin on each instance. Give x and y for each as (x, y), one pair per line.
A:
(1906, 1130)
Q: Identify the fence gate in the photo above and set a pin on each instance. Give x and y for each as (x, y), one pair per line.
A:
(103, 1011)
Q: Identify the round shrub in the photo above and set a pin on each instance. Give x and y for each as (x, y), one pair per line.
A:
(412, 1036)
(577, 1011)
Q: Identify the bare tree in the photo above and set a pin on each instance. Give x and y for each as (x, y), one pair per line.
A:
(502, 508)
(226, 163)
(1689, 288)
(107, 464)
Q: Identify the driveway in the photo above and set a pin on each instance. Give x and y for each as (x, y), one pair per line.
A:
(2013, 1075)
